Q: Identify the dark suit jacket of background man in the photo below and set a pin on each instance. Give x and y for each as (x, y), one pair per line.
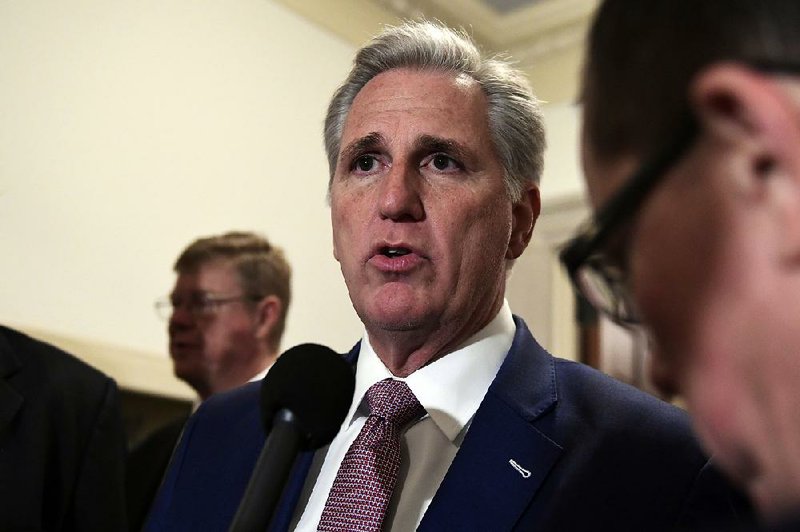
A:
(62, 444)
(601, 456)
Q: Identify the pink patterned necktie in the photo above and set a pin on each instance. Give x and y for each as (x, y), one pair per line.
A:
(364, 484)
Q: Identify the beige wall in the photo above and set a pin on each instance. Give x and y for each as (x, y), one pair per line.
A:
(538, 288)
(130, 128)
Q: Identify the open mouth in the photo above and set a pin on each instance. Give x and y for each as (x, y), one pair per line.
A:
(393, 253)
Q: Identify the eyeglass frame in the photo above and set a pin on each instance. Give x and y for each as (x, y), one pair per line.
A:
(205, 305)
(621, 207)
(627, 201)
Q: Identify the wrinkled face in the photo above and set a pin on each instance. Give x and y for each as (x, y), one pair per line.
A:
(421, 218)
(206, 346)
(707, 292)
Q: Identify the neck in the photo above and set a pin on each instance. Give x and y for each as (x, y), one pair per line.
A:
(405, 351)
(403, 355)
(240, 375)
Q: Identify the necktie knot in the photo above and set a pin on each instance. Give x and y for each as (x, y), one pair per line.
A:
(395, 402)
(363, 487)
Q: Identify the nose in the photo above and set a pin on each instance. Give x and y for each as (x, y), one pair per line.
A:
(180, 318)
(401, 195)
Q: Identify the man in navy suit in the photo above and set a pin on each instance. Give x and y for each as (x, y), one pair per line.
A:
(691, 151)
(435, 155)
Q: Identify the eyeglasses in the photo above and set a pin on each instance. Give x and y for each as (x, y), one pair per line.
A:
(599, 275)
(199, 306)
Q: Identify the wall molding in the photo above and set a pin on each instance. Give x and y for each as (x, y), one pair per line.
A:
(134, 370)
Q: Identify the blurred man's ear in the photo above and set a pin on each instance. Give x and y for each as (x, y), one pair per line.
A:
(757, 116)
(268, 310)
(524, 214)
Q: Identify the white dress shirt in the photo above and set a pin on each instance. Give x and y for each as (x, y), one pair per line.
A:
(450, 389)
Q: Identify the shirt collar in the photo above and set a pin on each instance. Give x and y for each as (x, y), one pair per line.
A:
(452, 387)
(261, 374)
(257, 377)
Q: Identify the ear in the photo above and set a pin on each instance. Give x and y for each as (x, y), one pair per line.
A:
(524, 213)
(758, 116)
(268, 310)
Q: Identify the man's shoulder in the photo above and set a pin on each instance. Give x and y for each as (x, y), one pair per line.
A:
(538, 383)
(617, 445)
(618, 410)
(576, 405)
(42, 365)
(246, 397)
(589, 387)
(230, 412)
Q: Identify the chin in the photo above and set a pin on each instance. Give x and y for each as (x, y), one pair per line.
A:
(395, 310)
(394, 319)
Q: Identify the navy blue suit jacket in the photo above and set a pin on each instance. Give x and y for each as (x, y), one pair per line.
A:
(601, 456)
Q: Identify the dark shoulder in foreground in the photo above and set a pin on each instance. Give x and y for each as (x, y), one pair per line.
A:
(47, 365)
(635, 449)
(63, 442)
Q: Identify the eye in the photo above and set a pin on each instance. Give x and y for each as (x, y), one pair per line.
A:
(443, 163)
(365, 164)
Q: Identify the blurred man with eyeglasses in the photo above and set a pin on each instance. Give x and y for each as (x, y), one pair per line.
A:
(226, 316)
(691, 149)
(227, 311)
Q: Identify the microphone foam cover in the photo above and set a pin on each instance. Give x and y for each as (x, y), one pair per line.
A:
(315, 384)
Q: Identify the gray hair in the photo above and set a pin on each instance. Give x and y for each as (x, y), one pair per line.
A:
(515, 119)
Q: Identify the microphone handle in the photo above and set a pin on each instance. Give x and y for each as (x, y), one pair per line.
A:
(269, 476)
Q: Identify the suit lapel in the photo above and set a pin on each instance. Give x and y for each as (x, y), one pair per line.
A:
(504, 458)
(10, 400)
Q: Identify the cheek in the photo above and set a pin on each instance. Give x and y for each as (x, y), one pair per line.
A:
(673, 276)
(211, 341)
(727, 426)
(216, 337)
(482, 241)
(677, 252)
(479, 226)
(694, 282)
(341, 249)
(344, 218)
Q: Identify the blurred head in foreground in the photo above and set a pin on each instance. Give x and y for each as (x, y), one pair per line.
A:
(691, 150)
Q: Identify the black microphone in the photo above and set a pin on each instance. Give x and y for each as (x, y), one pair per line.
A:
(304, 400)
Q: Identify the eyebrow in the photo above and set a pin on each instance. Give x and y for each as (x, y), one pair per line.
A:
(368, 142)
(431, 144)
(425, 144)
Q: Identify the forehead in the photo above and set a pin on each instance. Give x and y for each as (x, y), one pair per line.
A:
(214, 276)
(408, 103)
(604, 175)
